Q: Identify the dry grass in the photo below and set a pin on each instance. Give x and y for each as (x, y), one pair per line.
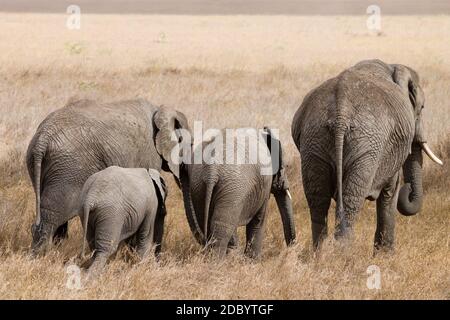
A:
(227, 71)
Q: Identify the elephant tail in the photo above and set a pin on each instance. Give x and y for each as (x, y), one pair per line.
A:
(339, 146)
(37, 182)
(35, 154)
(208, 198)
(189, 206)
(86, 210)
(340, 129)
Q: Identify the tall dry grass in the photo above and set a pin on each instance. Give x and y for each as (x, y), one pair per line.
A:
(228, 72)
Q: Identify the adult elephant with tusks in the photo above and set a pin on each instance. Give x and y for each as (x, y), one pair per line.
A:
(85, 137)
(355, 134)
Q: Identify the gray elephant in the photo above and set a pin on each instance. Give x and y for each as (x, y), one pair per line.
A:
(221, 195)
(121, 204)
(85, 137)
(355, 133)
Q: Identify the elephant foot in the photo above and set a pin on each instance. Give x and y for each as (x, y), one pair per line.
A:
(97, 266)
(40, 249)
(343, 234)
(344, 230)
(252, 255)
(319, 233)
(340, 233)
(383, 248)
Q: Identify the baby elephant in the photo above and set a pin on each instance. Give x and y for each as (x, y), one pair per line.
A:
(121, 204)
(222, 193)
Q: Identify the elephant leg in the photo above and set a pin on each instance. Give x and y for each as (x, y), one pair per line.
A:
(234, 241)
(386, 208)
(98, 264)
(61, 233)
(62, 201)
(344, 221)
(222, 228)
(90, 241)
(356, 185)
(97, 261)
(106, 238)
(159, 231)
(255, 233)
(319, 220)
(317, 183)
(144, 237)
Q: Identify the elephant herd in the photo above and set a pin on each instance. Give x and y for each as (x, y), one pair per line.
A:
(355, 133)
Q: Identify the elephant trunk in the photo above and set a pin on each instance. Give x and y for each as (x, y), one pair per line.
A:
(410, 197)
(189, 206)
(284, 203)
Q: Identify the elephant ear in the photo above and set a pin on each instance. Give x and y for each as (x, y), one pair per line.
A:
(159, 184)
(274, 146)
(279, 180)
(408, 81)
(168, 122)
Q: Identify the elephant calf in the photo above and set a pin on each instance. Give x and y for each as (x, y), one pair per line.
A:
(223, 196)
(121, 204)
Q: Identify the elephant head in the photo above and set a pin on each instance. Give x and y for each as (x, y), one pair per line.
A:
(169, 141)
(411, 194)
(280, 185)
(167, 122)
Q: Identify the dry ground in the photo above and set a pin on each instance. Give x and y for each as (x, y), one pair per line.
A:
(228, 71)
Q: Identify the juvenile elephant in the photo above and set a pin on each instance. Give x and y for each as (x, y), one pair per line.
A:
(355, 132)
(85, 137)
(221, 195)
(119, 204)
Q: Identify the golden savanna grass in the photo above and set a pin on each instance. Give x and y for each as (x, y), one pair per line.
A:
(227, 71)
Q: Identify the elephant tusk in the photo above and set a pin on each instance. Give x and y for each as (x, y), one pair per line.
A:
(288, 194)
(430, 154)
